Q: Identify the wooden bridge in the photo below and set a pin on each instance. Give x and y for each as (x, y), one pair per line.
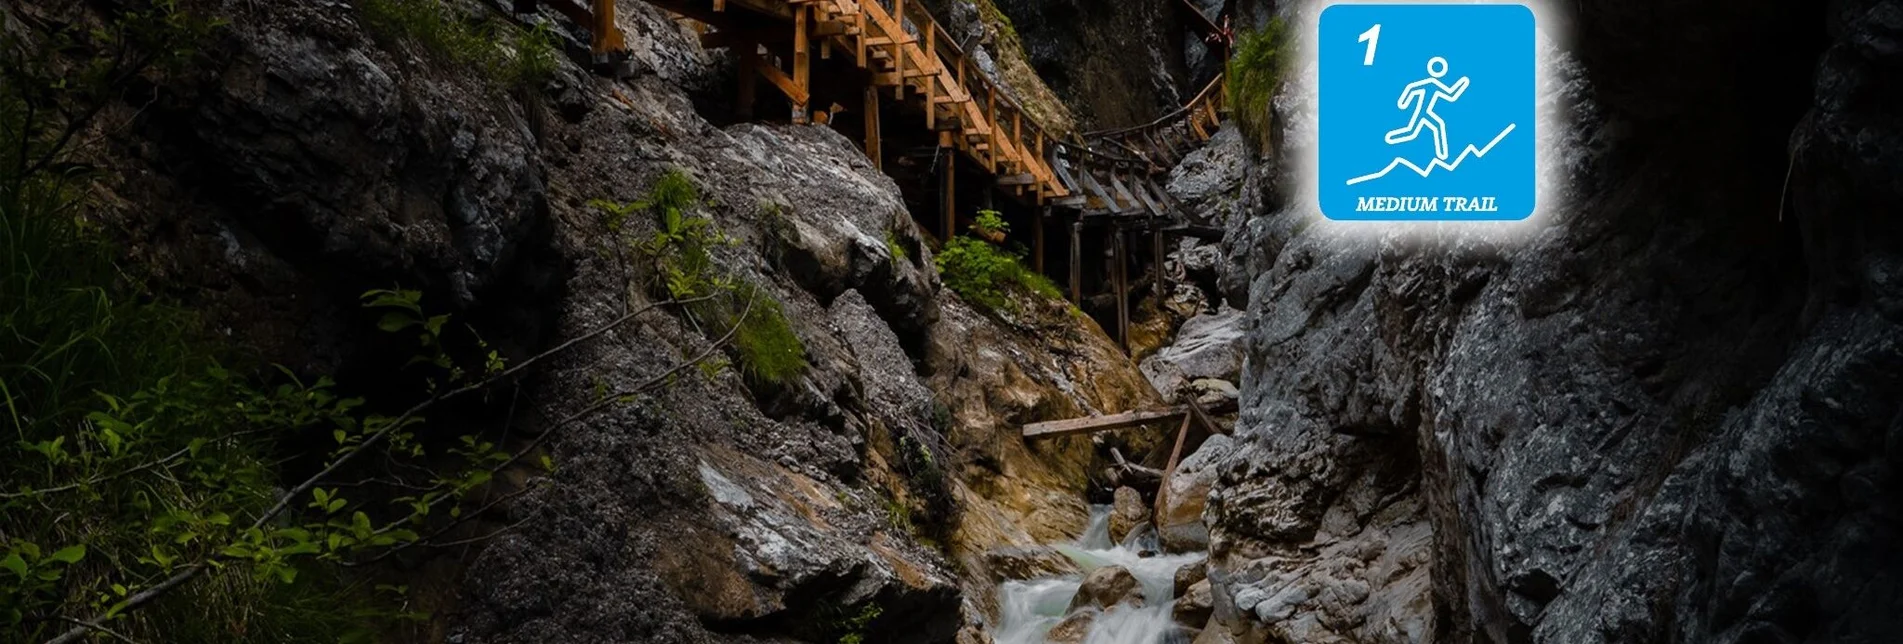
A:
(896, 51)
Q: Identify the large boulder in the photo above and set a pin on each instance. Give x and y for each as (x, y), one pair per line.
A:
(1192, 609)
(1030, 562)
(1105, 587)
(1207, 346)
(1074, 629)
(1180, 527)
(1127, 513)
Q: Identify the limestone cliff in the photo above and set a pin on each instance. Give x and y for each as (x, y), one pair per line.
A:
(311, 160)
(1665, 411)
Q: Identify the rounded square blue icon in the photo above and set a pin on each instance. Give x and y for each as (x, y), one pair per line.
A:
(1426, 112)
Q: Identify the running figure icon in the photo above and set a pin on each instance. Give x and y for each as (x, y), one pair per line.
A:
(1424, 117)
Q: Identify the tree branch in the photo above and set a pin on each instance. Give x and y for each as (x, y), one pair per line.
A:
(191, 571)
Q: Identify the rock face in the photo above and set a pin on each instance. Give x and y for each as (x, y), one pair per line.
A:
(1106, 587)
(305, 162)
(1640, 417)
(1180, 527)
(1115, 64)
(1028, 562)
(1207, 346)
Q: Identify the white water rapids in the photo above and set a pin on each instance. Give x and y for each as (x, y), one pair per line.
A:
(1028, 609)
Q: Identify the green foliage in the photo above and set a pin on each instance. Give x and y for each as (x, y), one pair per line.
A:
(990, 222)
(138, 461)
(1262, 59)
(987, 275)
(930, 484)
(764, 345)
(511, 57)
(855, 627)
(893, 246)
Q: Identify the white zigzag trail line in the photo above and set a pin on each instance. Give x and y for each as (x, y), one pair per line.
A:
(1437, 163)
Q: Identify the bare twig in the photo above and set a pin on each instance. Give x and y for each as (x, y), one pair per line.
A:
(190, 571)
(98, 627)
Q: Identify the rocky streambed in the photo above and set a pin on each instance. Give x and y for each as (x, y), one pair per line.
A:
(1123, 592)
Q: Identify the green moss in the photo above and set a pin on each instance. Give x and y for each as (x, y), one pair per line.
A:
(893, 246)
(1262, 59)
(764, 345)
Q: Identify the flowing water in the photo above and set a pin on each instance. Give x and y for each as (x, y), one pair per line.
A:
(1028, 609)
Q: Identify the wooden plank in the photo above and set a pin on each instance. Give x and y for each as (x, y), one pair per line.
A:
(1176, 454)
(1021, 179)
(1052, 428)
(779, 79)
(931, 88)
(898, 52)
(1106, 422)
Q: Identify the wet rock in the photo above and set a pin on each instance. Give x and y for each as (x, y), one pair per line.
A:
(1207, 346)
(1029, 562)
(1187, 576)
(1106, 587)
(1180, 527)
(1193, 607)
(1127, 513)
(1074, 628)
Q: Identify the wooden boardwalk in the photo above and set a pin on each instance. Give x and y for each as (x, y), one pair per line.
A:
(894, 50)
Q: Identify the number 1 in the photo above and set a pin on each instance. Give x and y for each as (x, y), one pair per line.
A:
(1371, 36)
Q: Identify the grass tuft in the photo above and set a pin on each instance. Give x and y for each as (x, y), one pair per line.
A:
(511, 57)
(1262, 59)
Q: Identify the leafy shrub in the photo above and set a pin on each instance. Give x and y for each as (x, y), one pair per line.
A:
(764, 344)
(1261, 60)
(509, 56)
(986, 274)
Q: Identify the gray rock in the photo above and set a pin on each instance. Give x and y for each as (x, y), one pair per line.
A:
(1106, 587)
(1207, 346)
(1180, 527)
(1609, 429)
(1127, 513)
(1193, 608)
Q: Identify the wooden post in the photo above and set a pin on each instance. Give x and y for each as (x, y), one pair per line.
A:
(931, 80)
(802, 66)
(1156, 245)
(991, 119)
(1037, 239)
(860, 20)
(898, 48)
(947, 197)
(1122, 289)
(1077, 260)
(607, 37)
(1176, 454)
(749, 79)
(872, 127)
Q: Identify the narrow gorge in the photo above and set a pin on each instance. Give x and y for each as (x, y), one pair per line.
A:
(932, 322)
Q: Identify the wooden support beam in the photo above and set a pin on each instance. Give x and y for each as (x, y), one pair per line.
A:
(749, 82)
(931, 86)
(1077, 260)
(872, 127)
(947, 194)
(860, 20)
(794, 92)
(802, 61)
(1122, 289)
(606, 37)
(898, 51)
(1176, 454)
(1037, 238)
(1021, 179)
(1156, 259)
